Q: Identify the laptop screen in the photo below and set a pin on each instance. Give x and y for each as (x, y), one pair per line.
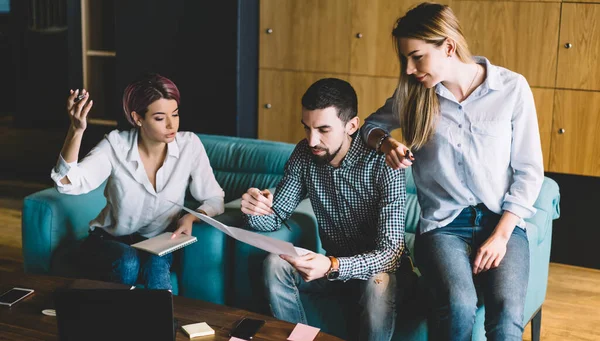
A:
(114, 314)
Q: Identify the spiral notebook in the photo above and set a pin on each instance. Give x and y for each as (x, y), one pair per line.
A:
(163, 244)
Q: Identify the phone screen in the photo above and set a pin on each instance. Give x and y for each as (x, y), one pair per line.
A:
(246, 328)
(14, 295)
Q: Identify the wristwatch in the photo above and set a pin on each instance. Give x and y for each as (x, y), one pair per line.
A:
(334, 270)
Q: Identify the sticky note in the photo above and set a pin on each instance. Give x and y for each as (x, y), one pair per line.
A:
(303, 332)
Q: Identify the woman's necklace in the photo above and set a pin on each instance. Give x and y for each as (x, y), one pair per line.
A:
(472, 81)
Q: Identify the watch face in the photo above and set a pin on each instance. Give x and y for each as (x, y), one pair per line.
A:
(333, 274)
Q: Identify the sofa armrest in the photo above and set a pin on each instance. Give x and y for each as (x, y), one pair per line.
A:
(548, 209)
(50, 219)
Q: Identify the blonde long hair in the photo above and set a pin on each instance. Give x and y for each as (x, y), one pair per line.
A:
(418, 107)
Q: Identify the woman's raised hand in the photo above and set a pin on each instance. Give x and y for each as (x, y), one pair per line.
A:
(78, 109)
(397, 155)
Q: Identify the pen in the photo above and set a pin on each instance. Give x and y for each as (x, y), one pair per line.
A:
(79, 98)
(277, 214)
(283, 221)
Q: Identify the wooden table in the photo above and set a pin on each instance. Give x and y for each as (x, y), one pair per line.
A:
(24, 321)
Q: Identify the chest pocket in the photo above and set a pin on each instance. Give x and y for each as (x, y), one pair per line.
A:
(492, 128)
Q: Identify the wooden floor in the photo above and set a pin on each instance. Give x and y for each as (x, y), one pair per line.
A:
(571, 310)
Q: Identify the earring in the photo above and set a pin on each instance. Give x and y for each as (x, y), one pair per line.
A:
(139, 123)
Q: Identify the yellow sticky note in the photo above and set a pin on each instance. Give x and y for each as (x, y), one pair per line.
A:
(197, 329)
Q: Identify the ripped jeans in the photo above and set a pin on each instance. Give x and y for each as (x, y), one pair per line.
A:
(376, 303)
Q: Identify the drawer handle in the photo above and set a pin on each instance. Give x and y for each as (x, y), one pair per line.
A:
(561, 131)
(568, 45)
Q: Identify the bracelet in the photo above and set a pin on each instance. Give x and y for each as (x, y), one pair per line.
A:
(380, 143)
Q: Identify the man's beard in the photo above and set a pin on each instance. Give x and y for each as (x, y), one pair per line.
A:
(327, 157)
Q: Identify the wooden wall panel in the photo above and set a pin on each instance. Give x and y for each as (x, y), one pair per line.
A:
(372, 93)
(307, 35)
(579, 65)
(521, 36)
(282, 91)
(544, 102)
(577, 150)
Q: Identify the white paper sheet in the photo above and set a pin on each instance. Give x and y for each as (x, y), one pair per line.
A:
(260, 241)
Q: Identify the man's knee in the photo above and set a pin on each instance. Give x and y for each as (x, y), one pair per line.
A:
(380, 291)
(275, 268)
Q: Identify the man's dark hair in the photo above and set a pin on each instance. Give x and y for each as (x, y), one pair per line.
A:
(332, 92)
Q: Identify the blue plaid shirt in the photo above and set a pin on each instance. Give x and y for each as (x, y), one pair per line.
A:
(359, 206)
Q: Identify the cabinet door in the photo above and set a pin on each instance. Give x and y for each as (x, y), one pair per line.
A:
(544, 100)
(579, 50)
(520, 36)
(279, 104)
(575, 138)
(372, 50)
(372, 93)
(306, 35)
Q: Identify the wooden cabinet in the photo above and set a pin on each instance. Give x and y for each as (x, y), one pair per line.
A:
(520, 36)
(544, 101)
(579, 47)
(372, 93)
(372, 47)
(280, 108)
(575, 138)
(308, 35)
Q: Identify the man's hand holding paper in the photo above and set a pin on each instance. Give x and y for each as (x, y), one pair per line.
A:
(258, 240)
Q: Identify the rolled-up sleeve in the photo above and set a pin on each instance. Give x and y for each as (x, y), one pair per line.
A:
(384, 118)
(86, 175)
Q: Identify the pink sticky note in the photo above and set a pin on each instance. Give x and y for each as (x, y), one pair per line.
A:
(233, 338)
(303, 332)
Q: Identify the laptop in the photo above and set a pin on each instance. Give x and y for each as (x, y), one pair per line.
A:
(114, 314)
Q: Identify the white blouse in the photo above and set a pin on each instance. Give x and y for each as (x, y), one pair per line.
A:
(132, 203)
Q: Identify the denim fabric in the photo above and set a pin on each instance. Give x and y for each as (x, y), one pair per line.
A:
(108, 258)
(376, 297)
(445, 257)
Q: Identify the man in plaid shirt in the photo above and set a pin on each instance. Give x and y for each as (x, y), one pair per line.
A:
(359, 203)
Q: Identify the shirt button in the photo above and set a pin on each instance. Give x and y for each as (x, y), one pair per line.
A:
(458, 145)
(460, 125)
(460, 107)
(460, 163)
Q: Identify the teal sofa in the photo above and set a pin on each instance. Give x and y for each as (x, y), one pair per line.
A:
(222, 270)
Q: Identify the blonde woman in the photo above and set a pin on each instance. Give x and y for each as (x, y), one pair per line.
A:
(472, 139)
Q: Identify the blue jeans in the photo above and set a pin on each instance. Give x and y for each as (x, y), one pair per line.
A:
(376, 303)
(108, 258)
(445, 257)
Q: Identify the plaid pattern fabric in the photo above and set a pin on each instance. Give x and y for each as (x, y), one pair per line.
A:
(359, 206)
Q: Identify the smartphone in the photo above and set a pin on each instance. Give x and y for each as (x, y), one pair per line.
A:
(14, 295)
(246, 328)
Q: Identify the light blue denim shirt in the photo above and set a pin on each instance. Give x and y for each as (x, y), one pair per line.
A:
(486, 150)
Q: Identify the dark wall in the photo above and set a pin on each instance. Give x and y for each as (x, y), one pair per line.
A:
(577, 232)
(198, 45)
(41, 68)
(7, 68)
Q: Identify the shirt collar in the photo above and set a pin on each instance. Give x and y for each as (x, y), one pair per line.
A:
(134, 153)
(493, 79)
(356, 149)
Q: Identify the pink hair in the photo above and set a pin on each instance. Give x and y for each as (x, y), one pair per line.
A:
(141, 93)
